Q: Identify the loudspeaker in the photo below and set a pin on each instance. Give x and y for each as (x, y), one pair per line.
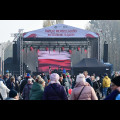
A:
(14, 53)
(105, 56)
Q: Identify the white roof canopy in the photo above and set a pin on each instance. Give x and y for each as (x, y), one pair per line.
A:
(60, 31)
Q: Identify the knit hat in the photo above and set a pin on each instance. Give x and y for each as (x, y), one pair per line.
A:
(12, 93)
(116, 81)
(54, 77)
(28, 75)
(80, 78)
(105, 74)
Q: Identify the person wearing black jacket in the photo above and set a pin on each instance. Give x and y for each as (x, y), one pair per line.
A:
(24, 82)
(87, 77)
(96, 86)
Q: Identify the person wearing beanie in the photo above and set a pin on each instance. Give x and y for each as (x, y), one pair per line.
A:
(13, 95)
(54, 90)
(115, 86)
(82, 90)
(106, 85)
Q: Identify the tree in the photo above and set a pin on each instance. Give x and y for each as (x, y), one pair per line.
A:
(47, 23)
(109, 30)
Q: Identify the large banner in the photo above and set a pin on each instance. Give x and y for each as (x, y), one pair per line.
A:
(53, 59)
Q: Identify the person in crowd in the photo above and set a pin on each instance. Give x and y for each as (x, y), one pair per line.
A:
(115, 86)
(96, 86)
(3, 90)
(24, 82)
(82, 90)
(43, 75)
(48, 77)
(54, 91)
(13, 95)
(6, 77)
(101, 86)
(73, 78)
(66, 83)
(13, 84)
(106, 84)
(37, 89)
(69, 81)
(87, 77)
(1, 79)
(115, 75)
(61, 79)
(64, 71)
(26, 89)
(19, 79)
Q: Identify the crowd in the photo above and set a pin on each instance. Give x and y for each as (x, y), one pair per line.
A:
(61, 86)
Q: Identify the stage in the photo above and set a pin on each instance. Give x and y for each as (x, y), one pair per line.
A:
(54, 46)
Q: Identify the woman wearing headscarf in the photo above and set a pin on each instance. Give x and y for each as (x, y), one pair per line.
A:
(82, 90)
(54, 91)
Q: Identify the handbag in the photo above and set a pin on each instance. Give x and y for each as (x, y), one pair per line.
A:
(80, 92)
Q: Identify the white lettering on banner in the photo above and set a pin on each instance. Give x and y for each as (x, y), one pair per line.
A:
(61, 32)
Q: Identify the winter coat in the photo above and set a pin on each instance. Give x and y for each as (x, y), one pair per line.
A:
(54, 92)
(95, 85)
(113, 95)
(88, 92)
(89, 81)
(3, 90)
(36, 92)
(26, 91)
(23, 83)
(14, 86)
(106, 82)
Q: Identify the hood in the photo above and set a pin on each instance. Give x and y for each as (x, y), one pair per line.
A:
(106, 77)
(36, 86)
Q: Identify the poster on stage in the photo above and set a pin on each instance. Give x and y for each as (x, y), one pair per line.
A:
(53, 59)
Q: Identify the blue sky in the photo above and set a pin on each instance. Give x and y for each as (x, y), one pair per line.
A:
(7, 27)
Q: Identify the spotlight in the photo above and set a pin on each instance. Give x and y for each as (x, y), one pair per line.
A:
(31, 48)
(78, 48)
(54, 48)
(85, 50)
(62, 48)
(47, 48)
(70, 50)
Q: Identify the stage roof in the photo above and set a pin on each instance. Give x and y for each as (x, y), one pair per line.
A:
(60, 31)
